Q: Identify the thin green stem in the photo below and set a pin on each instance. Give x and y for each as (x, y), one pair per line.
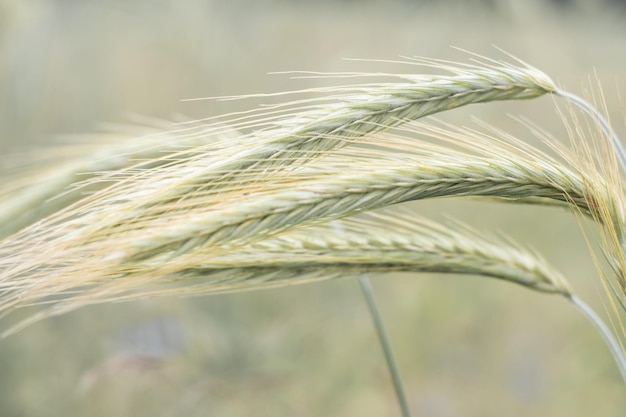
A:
(368, 293)
(605, 332)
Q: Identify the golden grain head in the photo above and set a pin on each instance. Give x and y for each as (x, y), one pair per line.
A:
(225, 211)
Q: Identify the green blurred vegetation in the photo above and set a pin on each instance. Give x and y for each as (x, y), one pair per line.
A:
(467, 346)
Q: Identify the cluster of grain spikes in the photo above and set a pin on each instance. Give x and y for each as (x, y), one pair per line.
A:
(294, 197)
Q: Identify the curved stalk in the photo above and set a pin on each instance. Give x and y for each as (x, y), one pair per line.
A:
(605, 332)
(368, 295)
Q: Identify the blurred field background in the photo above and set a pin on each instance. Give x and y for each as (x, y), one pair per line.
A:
(466, 346)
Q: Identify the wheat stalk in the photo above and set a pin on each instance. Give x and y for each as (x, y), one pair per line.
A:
(310, 133)
(102, 237)
(282, 136)
(114, 223)
(385, 243)
(356, 187)
(228, 213)
(110, 239)
(378, 243)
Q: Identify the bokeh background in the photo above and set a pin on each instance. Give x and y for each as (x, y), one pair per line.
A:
(466, 346)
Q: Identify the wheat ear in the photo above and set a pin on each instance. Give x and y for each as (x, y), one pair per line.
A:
(74, 172)
(104, 246)
(377, 243)
(366, 186)
(296, 132)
